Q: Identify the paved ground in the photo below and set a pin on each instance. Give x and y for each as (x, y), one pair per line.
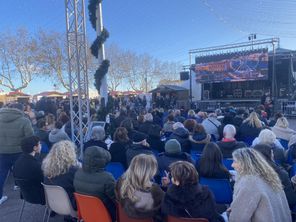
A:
(9, 211)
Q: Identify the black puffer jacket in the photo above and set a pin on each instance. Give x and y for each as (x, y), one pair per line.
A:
(228, 147)
(190, 201)
(135, 150)
(93, 180)
(182, 135)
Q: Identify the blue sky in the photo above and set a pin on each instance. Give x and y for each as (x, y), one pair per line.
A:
(165, 29)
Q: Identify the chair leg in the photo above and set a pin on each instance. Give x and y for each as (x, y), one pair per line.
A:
(22, 210)
(48, 217)
(44, 215)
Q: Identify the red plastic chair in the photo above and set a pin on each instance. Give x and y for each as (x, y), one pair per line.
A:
(123, 217)
(91, 209)
(182, 219)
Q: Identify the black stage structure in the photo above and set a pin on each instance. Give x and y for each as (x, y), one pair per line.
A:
(270, 69)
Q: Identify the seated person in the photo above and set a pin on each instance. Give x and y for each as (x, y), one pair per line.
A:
(27, 168)
(93, 180)
(172, 154)
(139, 146)
(138, 195)
(211, 164)
(60, 166)
(186, 197)
(228, 144)
(97, 138)
(267, 153)
(120, 145)
(181, 134)
(199, 138)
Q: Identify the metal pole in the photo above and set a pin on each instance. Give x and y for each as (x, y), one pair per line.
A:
(190, 81)
(99, 27)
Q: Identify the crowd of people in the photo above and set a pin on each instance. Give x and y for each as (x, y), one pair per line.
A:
(164, 152)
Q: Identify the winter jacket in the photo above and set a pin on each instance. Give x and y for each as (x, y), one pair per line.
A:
(29, 169)
(166, 159)
(148, 204)
(198, 141)
(255, 201)
(247, 131)
(211, 125)
(93, 180)
(156, 143)
(182, 135)
(93, 142)
(228, 147)
(194, 201)
(283, 133)
(136, 149)
(118, 152)
(14, 127)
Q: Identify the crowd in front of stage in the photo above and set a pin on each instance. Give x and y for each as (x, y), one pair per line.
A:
(165, 153)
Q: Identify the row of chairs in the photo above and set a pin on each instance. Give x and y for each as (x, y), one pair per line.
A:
(90, 208)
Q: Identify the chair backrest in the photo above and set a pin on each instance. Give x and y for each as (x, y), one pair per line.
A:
(179, 219)
(91, 209)
(248, 140)
(58, 200)
(123, 217)
(115, 168)
(221, 189)
(44, 147)
(227, 163)
(284, 143)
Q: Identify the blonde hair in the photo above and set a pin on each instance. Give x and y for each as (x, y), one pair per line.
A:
(282, 122)
(138, 176)
(266, 136)
(253, 120)
(59, 159)
(252, 163)
(191, 113)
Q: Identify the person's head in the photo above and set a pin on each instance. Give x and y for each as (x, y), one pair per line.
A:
(41, 123)
(148, 117)
(177, 112)
(172, 146)
(98, 133)
(31, 145)
(139, 138)
(177, 125)
(265, 150)
(266, 136)
(18, 106)
(183, 173)
(248, 161)
(95, 158)
(63, 117)
(229, 131)
(277, 115)
(171, 118)
(138, 176)
(50, 119)
(211, 160)
(59, 159)
(199, 129)
(191, 113)
(282, 122)
(190, 124)
(253, 120)
(58, 125)
(120, 135)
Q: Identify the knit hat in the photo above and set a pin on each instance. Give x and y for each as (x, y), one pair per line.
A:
(172, 146)
(138, 137)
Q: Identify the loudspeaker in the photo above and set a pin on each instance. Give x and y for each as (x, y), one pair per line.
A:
(184, 75)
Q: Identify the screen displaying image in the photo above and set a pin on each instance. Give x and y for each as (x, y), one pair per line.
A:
(231, 67)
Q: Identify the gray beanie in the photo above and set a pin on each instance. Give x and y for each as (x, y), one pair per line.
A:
(172, 146)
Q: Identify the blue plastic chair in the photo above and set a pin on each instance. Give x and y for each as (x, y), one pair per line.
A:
(44, 147)
(293, 170)
(195, 157)
(116, 169)
(284, 143)
(227, 163)
(221, 189)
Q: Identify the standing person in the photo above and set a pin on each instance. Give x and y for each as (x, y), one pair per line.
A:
(27, 168)
(14, 127)
(258, 192)
(138, 195)
(186, 197)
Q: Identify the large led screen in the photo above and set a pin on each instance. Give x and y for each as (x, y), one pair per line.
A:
(231, 67)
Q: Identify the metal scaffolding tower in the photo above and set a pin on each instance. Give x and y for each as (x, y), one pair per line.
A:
(77, 67)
